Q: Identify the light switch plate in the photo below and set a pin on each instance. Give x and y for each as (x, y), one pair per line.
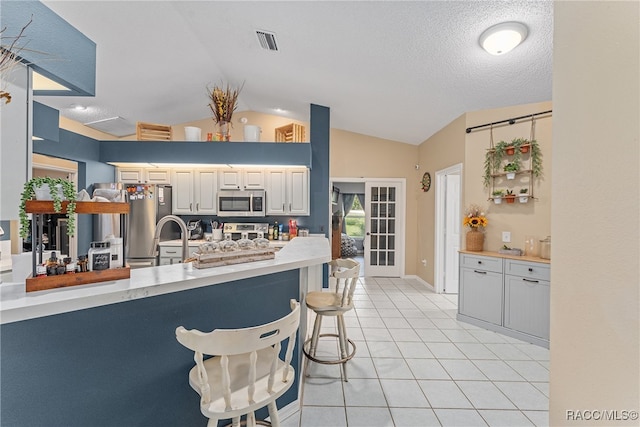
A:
(506, 237)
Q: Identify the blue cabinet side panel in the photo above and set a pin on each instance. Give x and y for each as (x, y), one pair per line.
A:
(52, 47)
(120, 365)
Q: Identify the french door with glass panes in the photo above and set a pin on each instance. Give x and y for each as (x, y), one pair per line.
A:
(383, 243)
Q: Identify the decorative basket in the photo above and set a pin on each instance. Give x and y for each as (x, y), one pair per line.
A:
(475, 240)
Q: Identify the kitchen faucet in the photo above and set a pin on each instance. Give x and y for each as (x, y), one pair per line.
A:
(183, 229)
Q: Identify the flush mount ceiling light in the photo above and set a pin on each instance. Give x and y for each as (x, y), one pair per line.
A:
(78, 107)
(504, 37)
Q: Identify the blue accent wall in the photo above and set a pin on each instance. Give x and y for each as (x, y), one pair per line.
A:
(120, 364)
(86, 152)
(52, 47)
(244, 153)
(46, 121)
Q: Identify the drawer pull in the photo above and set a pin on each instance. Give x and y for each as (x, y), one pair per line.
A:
(479, 262)
(479, 272)
(172, 252)
(530, 270)
(531, 281)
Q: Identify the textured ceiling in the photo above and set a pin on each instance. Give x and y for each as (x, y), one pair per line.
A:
(393, 69)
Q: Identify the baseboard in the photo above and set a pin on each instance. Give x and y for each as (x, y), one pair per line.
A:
(421, 281)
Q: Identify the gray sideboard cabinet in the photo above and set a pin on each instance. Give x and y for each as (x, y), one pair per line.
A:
(480, 293)
(509, 296)
(526, 297)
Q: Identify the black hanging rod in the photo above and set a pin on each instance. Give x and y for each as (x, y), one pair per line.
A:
(510, 121)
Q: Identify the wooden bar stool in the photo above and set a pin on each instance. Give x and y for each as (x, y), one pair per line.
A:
(246, 372)
(344, 276)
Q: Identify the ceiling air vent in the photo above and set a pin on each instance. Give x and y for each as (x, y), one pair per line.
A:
(267, 40)
(116, 126)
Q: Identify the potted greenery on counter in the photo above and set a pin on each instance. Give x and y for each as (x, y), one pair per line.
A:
(60, 189)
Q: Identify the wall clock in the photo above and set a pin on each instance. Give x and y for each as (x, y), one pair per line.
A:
(426, 181)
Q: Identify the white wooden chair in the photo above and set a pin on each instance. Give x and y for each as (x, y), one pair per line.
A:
(342, 283)
(246, 372)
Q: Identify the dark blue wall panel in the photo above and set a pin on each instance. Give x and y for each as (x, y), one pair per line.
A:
(52, 47)
(85, 151)
(242, 153)
(120, 365)
(45, 122)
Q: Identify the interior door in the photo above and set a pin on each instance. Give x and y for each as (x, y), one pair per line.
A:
(452, 233)
(383, 243)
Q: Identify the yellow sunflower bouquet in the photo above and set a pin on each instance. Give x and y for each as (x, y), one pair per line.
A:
(474, 218)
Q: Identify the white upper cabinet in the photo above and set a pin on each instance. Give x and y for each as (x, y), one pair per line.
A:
(287, 191)
(206, 187)
(194, 192)
(183, 192)
(230, 179)
(144, 175)
(241, 179)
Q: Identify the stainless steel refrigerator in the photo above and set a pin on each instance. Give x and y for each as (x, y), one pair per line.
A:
(148, 203)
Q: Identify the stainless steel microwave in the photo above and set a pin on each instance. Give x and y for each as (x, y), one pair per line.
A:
(241, 203)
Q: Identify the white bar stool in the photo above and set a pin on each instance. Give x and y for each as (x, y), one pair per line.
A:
(246, 372)
(344, 276)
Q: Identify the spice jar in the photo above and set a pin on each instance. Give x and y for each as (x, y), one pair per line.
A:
(99, 256)
(70, 267)
(52, 264)
(82, 264)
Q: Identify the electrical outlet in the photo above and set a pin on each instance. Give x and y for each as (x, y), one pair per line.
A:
(506, 236)
(424, 262)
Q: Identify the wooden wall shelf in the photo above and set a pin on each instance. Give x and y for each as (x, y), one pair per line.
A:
(46, 207)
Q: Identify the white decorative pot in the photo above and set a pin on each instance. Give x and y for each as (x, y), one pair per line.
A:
(44, 193)
(524, 198)
(511, 175)
(497, 200)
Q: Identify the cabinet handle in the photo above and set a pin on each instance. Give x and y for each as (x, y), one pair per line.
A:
(530, 270)
(197, 207)
(479, 262)
(172, 252)
(283, 207)
(190, 206)
(289, 207)
(479, 272)
(530, 281)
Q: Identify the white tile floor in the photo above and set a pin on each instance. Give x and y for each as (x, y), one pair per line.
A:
(416, 365)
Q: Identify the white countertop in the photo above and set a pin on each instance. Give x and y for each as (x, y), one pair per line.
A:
(16, 304)
(198, 242)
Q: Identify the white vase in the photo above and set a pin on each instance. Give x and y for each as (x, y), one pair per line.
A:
(44, 193)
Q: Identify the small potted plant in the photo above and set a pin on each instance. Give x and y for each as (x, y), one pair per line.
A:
(59, 189)
(524, 195)
(510, 197)
(497, 196)
(511, 169)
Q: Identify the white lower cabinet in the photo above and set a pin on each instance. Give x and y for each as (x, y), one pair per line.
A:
(505, 295)
(194, 192)
(287, 191)
(173, 254)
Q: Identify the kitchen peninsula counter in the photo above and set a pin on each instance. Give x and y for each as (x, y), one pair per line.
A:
(18, 305)
(105, 354)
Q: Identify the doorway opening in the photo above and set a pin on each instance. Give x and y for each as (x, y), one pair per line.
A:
(371, 216)
(448, 224)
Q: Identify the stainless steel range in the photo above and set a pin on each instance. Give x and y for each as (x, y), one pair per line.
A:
(245, 230)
